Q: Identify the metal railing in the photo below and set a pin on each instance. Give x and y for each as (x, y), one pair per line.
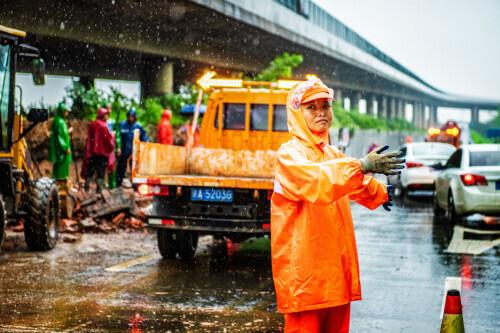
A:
(318, 16)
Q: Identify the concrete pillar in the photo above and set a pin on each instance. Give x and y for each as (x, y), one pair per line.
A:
(382, 107)
(433, 115)
(400, 109)
(337, 93)
(157, 78)
(474, 119)
(355, 98)
(391, 110)
(370, 99)
(416, 114)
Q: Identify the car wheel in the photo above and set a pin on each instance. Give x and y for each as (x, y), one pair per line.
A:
(167, 243)
(438, 211)
(188, 242)
(452, 215)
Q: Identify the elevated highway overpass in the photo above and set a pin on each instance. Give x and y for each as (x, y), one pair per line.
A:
(164, 43)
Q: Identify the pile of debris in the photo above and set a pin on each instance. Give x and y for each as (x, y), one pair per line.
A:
(112, 211)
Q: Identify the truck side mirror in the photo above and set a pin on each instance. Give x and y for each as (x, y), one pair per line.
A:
(37, 115)
(38, 71)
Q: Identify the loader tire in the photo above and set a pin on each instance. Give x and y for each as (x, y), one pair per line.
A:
(167, 243)
(3, 221)
(41, 228)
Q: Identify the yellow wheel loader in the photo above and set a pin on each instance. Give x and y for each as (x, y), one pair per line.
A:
(21, 194)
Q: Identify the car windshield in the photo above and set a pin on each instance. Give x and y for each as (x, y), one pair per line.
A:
(484, 158)
(433, 150)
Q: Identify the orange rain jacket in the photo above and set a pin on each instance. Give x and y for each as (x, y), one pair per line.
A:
(314, 255)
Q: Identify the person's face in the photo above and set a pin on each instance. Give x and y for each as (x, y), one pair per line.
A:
(66, 114)
(131, 119)
(105, 117)
(318, 115)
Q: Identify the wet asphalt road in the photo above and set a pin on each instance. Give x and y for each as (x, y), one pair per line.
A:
(402, 261)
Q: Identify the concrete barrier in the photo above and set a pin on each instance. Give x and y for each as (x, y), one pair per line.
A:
(360, 140)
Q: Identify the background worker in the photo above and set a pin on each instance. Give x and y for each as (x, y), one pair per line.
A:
(97, 149)
(314, 256)
(127, 128)
(60, 146)
(189, 138)
(165, 134)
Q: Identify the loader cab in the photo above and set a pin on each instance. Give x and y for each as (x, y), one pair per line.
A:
(6, 93)
(10, 50)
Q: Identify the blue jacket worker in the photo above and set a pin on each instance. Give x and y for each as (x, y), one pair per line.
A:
(127, 128)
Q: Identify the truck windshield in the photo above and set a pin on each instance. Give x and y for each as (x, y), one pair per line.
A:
(5, 87)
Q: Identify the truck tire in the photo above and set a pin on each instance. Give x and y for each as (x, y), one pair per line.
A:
(41, 227)
(167, 243)
(188, 242)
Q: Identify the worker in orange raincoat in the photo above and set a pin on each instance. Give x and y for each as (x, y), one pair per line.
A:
(314, 256)
(165, 134)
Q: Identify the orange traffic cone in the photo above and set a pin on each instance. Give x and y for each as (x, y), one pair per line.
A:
(453, 321)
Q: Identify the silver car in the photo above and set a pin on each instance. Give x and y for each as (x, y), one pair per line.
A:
(469, 183)
(422, 159)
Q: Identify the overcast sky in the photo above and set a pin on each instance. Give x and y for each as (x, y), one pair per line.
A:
(452, 44)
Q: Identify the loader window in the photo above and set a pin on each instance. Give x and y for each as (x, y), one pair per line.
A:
(279, 118)
(259, 113)
(4, 93)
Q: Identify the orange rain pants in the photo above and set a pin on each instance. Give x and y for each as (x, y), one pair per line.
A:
(330, 320)
(314, 254)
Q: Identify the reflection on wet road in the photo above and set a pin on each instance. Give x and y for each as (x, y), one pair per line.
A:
(403, 266)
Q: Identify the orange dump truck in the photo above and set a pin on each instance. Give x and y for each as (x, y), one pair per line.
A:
(223, 186)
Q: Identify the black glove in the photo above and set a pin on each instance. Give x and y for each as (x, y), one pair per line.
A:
(390, 195)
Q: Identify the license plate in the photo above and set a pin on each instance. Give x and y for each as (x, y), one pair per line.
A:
(211, 194)
(498, 186)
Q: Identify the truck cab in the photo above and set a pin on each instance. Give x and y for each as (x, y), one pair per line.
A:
(223, 186)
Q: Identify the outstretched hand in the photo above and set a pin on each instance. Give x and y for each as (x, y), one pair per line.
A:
(385, 163)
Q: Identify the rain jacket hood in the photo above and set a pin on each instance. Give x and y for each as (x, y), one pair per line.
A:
(166, 115)
(295, 120)
(314, 255)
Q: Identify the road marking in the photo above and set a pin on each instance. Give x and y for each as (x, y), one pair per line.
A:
(471, 246)
(134, 262)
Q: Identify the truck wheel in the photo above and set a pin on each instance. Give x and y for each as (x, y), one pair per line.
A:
(167, 243)
(188, 242)
(41, 227)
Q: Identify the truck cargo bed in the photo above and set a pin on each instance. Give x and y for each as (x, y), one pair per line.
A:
(206, 181)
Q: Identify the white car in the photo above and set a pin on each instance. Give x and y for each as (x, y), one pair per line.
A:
(420, 172)
(469, 183)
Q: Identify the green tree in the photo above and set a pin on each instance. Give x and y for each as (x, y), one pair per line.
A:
(85, 101)
(280, 68)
